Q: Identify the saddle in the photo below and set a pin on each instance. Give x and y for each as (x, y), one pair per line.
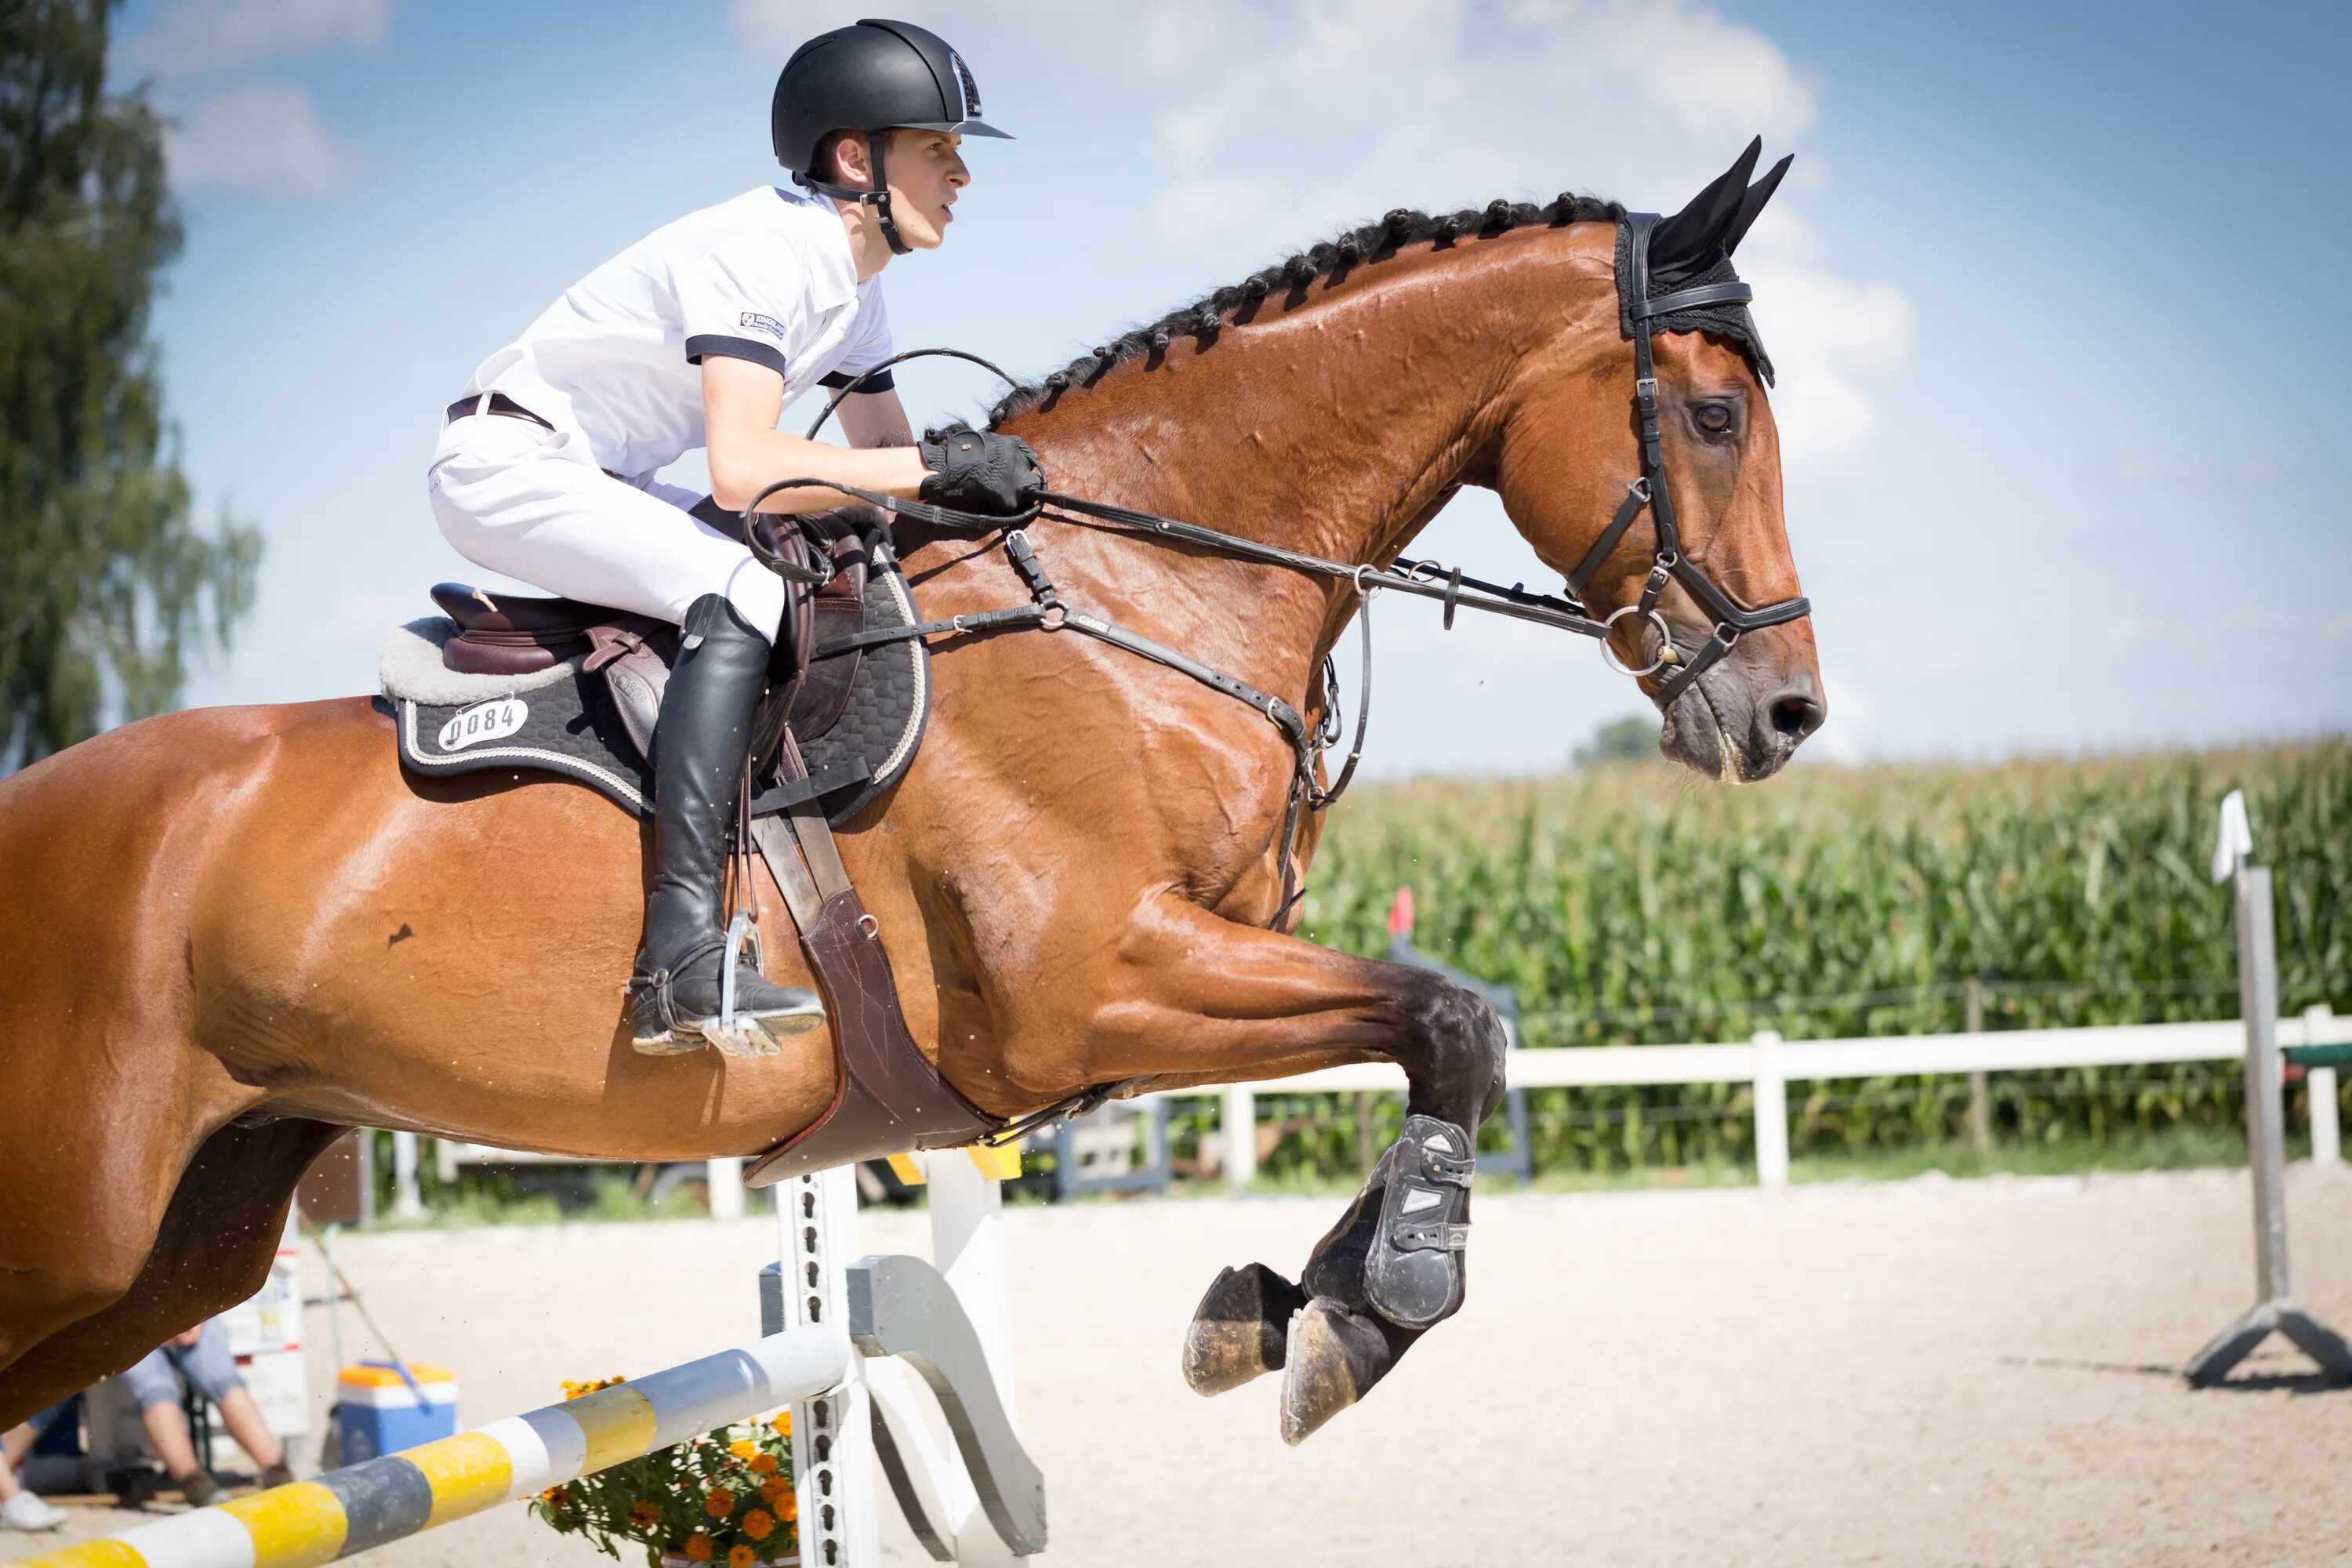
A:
(526, 670)
(518, 635)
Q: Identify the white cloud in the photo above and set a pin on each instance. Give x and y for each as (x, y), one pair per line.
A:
(190, 39)
(262, 136)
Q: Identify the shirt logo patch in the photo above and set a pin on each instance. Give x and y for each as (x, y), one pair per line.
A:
(768, 324)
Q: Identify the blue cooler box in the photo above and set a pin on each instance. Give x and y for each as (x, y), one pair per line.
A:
(381, 1407)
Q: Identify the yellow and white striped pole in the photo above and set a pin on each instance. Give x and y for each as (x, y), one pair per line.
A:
(363, 1505)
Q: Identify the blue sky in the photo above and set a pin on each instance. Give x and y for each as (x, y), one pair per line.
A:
(2057, 472)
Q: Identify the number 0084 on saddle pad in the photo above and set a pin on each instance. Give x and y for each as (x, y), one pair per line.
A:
(575, 719)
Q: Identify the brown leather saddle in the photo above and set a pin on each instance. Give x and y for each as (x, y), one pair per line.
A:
(514, 634)
(889, 1098)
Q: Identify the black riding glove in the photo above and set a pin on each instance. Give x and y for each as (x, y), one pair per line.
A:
(980, 470)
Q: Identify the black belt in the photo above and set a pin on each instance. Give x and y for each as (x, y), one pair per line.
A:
(500, 402)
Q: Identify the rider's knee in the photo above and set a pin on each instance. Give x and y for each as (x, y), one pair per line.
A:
(758, 596)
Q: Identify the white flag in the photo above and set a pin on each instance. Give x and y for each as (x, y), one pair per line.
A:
(2236, 839)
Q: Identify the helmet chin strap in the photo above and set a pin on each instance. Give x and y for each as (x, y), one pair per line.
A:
(878, 198)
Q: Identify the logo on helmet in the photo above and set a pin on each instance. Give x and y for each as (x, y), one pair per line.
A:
(966, 89)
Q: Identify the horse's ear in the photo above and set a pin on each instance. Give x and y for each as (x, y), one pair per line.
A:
(1688, 242)
(1753, 203)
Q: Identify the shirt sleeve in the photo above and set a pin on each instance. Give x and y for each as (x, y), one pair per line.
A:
(869, 348)
(745, 306)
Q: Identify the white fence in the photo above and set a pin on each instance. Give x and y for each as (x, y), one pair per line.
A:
(1772, 1063)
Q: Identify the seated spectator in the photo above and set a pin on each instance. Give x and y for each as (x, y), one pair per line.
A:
(202, 1356)
(19, 1508)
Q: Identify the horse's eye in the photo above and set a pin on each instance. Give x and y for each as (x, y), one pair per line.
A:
(1714, 418)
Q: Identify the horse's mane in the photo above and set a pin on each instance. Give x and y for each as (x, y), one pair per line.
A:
(1371, 242)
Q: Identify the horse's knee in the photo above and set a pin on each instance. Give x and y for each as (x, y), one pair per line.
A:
(1461, 1045)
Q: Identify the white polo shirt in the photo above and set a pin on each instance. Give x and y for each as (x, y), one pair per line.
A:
(617, 362)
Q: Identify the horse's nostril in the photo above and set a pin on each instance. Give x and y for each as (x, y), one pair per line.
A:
(1796, 714)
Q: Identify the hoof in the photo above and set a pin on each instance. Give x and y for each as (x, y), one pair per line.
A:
(1333, 1358)
(1238, 1333)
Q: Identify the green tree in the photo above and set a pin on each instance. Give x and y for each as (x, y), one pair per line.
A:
(105, 586)
(1627, 740)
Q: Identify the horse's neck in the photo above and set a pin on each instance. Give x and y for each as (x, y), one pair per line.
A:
(1336, 429)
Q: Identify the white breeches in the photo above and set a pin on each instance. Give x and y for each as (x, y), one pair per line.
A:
(511, 495)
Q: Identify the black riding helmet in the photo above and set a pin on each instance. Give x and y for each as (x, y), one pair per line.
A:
(876, 76)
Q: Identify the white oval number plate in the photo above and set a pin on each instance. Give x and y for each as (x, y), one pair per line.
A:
(484, 722)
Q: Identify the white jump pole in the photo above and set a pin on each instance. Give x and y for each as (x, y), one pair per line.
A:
(2273, 1309)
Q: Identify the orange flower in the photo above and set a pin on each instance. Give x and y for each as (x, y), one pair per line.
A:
(719, 1503)
(698, 1547)
(742, 1448)
(782, 1423)
(773, 1487)
(643, 1515)
(757, 1523)
(788, 1507)
(739, 1556)
(764, 1464)
(554, 1495)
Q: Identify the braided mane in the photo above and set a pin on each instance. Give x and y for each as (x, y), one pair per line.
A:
(1373, 242)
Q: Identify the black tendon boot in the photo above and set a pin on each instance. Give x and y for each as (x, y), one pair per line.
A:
(701, 747)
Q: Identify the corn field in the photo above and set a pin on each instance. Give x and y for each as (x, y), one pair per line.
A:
(1633, 904)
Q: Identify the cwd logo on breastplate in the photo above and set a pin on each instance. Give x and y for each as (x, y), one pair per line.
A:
(484, 722)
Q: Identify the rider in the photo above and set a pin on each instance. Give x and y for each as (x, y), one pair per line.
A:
(698, 335)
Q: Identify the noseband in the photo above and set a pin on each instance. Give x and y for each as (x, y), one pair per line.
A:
(1650, 493)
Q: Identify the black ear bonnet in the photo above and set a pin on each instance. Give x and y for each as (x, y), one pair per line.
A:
(1724, 321)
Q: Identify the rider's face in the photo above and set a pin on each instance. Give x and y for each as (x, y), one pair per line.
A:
(926, 170)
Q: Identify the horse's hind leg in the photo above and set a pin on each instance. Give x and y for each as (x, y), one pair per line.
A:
(214, 1249)
(1202, 999)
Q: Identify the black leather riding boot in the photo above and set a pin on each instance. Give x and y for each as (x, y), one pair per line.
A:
(700, 748)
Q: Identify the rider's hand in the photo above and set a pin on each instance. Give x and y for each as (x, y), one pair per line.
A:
(980, 470)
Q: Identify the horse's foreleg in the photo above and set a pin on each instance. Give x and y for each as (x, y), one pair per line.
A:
(1195, 994)
(213, 1250)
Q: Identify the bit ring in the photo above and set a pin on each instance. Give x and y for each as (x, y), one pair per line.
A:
(1666, 644)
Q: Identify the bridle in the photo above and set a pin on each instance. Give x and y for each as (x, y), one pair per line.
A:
(1421, 579)
(1650, 493)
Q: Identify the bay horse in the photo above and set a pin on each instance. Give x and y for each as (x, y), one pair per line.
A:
(231, 933)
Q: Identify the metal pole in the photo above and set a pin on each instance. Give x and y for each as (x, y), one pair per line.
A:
(1979, 1091)
(833, 1435)
(2265, 1126)
(2274, 1307)
(1771, 1112)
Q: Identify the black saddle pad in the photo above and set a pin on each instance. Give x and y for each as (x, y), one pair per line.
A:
(564, 721)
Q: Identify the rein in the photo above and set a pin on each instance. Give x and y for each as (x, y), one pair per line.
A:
(1046, 610)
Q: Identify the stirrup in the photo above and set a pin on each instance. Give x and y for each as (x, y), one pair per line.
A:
(736, 1034)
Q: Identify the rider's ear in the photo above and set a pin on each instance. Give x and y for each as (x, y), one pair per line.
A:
(1753, 203)
(1688, 242)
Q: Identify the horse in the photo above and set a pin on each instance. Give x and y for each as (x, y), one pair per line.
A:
(233, 933)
